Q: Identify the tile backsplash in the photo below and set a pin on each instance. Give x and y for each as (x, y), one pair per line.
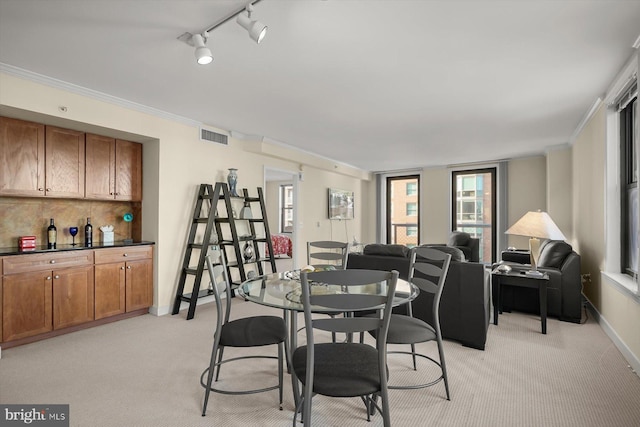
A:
(20, 216)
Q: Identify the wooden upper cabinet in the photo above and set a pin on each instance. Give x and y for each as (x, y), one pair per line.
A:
(114, 169)
(22, 161)
(128, 171)
(101, 167)
(65, 163)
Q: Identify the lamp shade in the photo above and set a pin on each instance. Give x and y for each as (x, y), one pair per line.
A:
(536, 224)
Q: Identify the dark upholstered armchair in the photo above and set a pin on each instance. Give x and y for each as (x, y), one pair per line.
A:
(468, 245)
(564, 292)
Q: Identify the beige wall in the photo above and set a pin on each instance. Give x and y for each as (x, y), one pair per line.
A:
(619, 311)
(559, 189)
(526, 191)
(176, 162)
(435, 199)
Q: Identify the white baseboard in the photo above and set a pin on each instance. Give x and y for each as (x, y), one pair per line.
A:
(634, 361)
(166, 309)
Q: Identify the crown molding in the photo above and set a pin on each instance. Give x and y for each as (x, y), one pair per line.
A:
(594, 107)
(93, 94)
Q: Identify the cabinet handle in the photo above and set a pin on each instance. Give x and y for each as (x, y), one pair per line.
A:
(40, 189)
(117, 194)
(128, 267)
(56, 277)
(48, 189)
(48, 277)
(122, 268)
(125, 254)
(53, 261)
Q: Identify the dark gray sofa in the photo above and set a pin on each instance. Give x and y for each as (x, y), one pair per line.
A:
(465, 303)
(564, 292)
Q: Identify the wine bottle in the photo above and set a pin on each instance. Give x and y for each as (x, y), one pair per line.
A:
(52, 235)
(88, 234)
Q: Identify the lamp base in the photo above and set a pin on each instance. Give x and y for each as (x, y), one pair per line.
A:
(534, 273)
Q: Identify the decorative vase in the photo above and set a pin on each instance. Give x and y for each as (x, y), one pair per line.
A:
(247, 251)
(232, 180)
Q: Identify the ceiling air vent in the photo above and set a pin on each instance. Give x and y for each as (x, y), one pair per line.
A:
(211, 136)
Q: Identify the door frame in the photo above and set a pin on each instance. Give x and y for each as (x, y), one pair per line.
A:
(295, 177)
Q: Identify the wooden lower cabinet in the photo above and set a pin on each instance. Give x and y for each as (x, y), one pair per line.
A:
(26, 305)
(44, 293)
(139, 284)
(110, 290)
(72, 296)
(127, 273)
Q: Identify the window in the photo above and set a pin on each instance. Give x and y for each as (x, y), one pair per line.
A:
(629, 186)
(402, 220)
(286, 208)
(474, 208)
(412, 188)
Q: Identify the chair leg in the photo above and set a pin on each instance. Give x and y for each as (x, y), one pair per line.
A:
(413, 356)
(443, 365)
(212, 365)
(221, 350)
(281, 350)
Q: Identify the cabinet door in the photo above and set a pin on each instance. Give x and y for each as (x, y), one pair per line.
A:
(26, 305)
(128, 171)
(21, 158)
(100, 158)
(110, 290)
(65, 163)
(72, 296)
(139, 284)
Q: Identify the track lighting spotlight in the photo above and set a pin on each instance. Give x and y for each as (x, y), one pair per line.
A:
(256, 29)
(203, 53)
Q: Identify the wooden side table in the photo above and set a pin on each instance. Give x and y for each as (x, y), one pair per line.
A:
(519, 278)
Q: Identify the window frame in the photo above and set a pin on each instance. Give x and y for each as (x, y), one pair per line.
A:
(628, 182)
(284, 208)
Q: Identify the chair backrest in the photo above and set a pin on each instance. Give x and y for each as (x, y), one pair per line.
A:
(348, 291)
(329, 253)
(217, 267)
(428, 269)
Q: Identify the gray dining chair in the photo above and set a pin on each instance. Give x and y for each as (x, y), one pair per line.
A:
(328, 253)
(253, 331)
(344, 369)
(428, 269)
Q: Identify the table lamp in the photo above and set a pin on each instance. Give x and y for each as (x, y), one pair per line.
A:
(536, 225)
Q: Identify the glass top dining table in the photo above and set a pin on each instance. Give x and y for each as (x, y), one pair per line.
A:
(282, 290)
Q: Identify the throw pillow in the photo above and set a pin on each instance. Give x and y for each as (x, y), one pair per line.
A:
(456, 254)
(459, 238)
(553, 253)
(386, 250)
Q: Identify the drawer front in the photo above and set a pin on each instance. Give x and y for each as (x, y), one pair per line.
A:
(106, 256)
(39, 262)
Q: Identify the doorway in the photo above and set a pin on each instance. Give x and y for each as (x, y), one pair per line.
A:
(281, 202)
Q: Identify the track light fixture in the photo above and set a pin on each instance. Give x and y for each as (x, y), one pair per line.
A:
(256, 29)
(203, 53)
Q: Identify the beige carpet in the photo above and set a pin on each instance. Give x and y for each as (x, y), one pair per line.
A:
(145, 372)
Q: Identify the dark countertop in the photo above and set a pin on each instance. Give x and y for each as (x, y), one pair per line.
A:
(78, 247)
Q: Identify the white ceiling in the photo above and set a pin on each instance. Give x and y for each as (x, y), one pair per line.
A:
(379, 85)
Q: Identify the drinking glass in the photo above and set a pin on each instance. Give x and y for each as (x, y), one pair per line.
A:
(73, 231)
